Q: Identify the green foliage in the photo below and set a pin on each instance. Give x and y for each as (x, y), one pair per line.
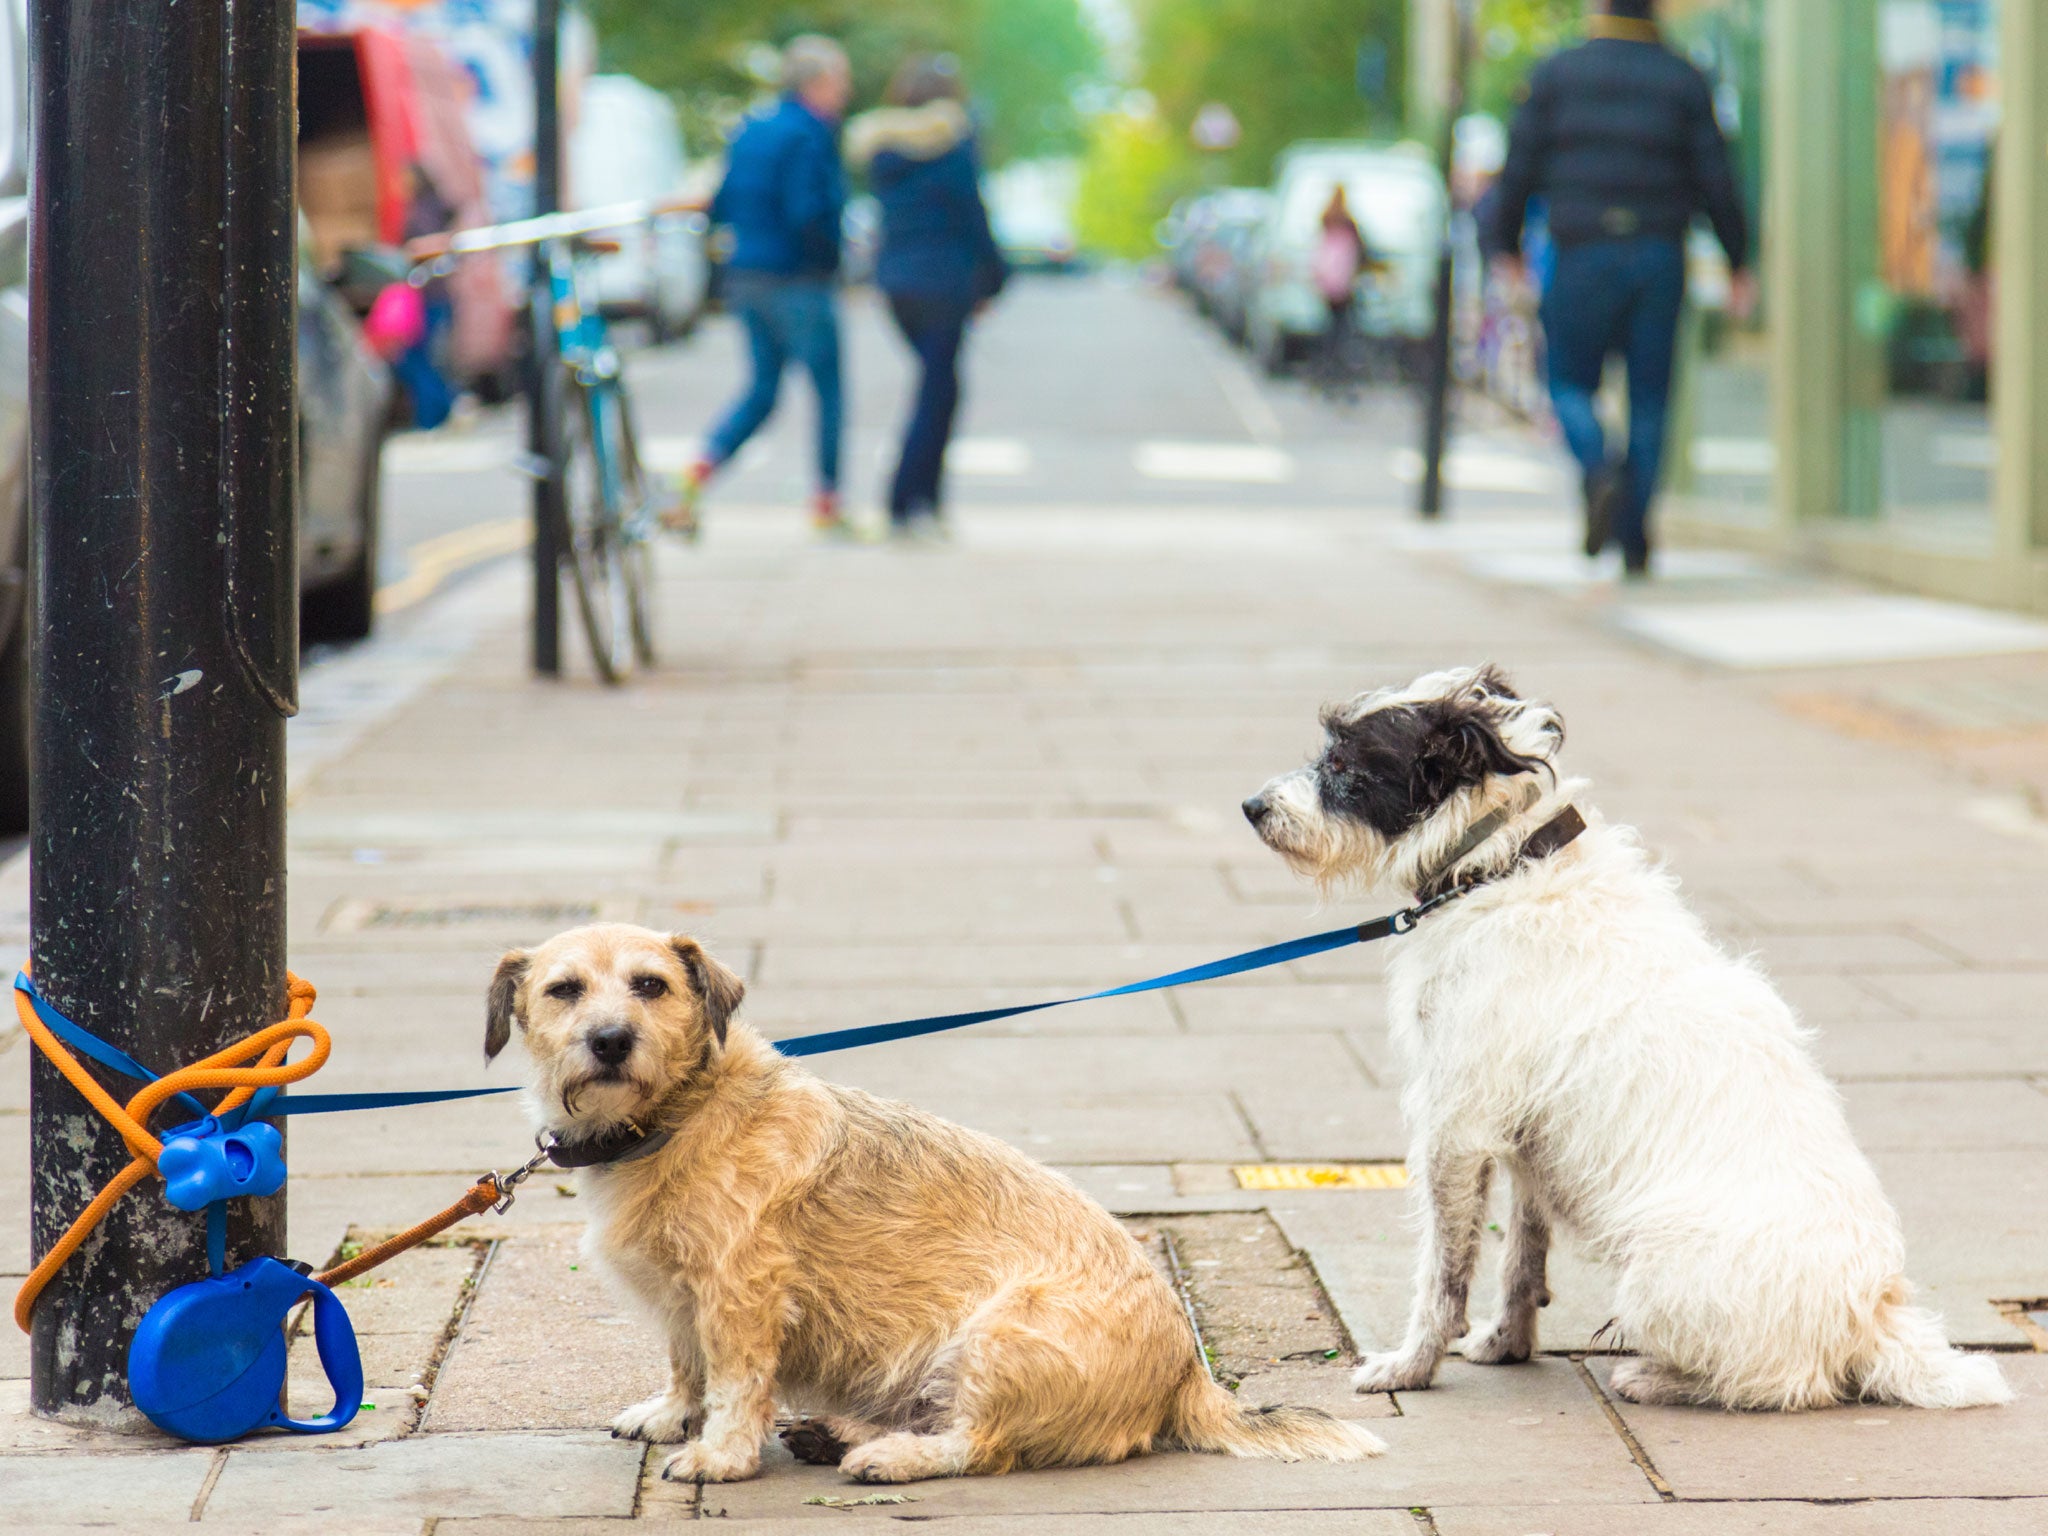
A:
(1511, 37)
(1288, 70)
(1131, 172)
(1025, 59)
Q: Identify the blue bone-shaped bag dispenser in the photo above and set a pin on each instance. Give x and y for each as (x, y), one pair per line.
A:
(201, 1162)
(208, 1361)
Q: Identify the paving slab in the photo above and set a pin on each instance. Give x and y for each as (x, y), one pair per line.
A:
(973, 1063)
(2001, 993)
(1857, 1051)
(1362, 1243)
(1350, 1522)
(1869, 1517)
(2005, 1115)
(1475, 1435)
(1860, 1451)
(155, 1489)
(546, 1344)
(1973, 1234)
(1324, 1119)
(433, 1475)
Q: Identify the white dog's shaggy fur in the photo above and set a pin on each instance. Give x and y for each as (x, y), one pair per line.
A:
(1571, 1021)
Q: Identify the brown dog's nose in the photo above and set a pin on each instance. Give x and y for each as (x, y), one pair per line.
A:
(1256, 809)
(611, 1044)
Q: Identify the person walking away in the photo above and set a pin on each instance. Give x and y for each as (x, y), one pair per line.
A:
(1619, 136)
(783, 197)
(1339, 259)
(938, 263)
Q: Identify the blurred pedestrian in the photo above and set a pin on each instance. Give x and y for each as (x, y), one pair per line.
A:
(1618, 135)
(938, 262)
(783, 197)
(1335, 267)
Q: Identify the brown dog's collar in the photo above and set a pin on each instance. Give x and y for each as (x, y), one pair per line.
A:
(624, 1144)
(1554, 834)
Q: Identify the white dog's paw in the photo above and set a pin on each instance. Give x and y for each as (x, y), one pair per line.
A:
(1395, 1371)
(1510, 1341)
(664, 1420)
(699, 1463)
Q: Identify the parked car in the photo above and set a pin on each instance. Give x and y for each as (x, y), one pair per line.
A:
(1219, 244)
(385, 155)
(344, 410)
(1031, 214)
(343, 404)
(627, 147)
(1397, 197)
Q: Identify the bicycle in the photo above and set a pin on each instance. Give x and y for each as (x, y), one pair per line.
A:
(600, 499)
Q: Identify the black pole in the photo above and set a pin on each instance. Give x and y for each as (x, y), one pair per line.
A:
(163, 316)
(541, 423)
(1436, 418)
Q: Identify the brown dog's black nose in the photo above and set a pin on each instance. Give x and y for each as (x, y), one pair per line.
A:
(611, 1045)
(1256, 809)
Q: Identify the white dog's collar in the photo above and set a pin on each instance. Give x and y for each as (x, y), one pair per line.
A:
(1554, 834)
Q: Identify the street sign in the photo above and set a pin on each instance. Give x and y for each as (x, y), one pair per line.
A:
(1215, 128)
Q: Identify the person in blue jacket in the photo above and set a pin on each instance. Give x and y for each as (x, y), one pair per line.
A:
(783, 197)
(938, 262)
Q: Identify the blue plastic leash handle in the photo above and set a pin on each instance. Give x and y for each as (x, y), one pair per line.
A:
(208, 1360)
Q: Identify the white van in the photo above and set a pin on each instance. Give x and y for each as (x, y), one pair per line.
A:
(1398, 201)
(627, 146)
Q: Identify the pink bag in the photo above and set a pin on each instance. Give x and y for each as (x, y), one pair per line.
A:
(1335, 264)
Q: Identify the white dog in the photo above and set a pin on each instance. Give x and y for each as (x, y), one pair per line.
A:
(1569, 1019)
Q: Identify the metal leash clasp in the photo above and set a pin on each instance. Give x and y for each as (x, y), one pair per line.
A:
(508, 1184)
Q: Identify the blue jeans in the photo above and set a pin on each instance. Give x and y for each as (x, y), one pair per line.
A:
(788, 319)
(934, 326)
(1613, 296)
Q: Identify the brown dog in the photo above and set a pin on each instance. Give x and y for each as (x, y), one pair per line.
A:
(949, 1305)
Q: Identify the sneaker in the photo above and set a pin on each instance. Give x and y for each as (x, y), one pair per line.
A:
(1603, 488)
(680, 517)
(923, 527)
(1635, 564)
(828, 519)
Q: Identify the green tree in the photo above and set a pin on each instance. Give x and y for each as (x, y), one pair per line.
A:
(1511, 37)
(1128, 178)
(1286, 69)
(1026, 59)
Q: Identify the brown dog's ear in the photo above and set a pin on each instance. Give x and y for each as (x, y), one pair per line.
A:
(719, 989)
(502, 1003)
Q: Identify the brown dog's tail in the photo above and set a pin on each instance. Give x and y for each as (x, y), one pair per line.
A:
(1207, 1418)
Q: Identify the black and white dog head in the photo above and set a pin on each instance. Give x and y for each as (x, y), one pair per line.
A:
(1404, 773)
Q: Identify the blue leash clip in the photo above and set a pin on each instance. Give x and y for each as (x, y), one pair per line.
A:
(208, 1361)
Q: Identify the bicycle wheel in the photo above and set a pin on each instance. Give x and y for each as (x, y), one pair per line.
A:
(594, 557)
(637, 520)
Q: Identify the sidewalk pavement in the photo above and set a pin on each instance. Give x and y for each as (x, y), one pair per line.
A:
(891, 781)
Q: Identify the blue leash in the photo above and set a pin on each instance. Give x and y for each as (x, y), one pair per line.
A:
(272, 1103)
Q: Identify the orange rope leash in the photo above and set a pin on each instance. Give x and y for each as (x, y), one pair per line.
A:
(225, 1068)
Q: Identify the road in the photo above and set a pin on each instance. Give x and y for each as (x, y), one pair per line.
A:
(1097, 389)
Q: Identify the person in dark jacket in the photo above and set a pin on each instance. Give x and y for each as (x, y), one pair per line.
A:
(938, 261)
(1619, 138)
(783, 197)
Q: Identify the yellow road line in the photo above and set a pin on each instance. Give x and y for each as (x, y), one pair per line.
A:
(1322, 1176)
(432, 562)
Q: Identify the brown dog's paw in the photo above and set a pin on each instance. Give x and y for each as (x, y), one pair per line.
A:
(809, 1440)
(699, 1463)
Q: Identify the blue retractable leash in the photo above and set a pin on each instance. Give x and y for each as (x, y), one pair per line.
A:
(208, 1360)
